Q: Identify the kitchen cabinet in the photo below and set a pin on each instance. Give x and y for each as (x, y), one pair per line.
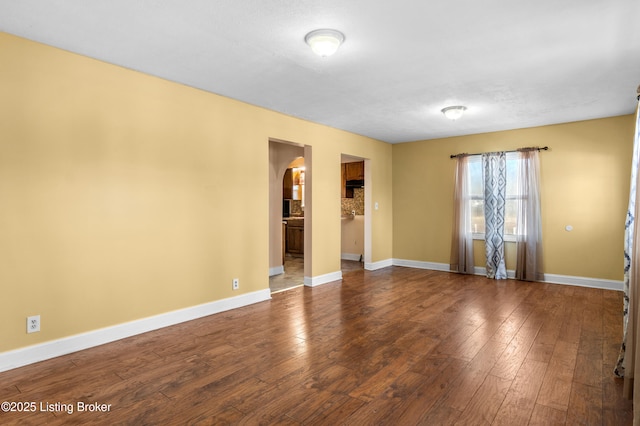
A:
(287, 185)
(295, 236)
(343, 184)
(284, 240)
(351, 172)
(354, 171)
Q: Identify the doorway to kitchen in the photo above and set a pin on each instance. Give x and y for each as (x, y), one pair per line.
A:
(289, 215)
(354, 217)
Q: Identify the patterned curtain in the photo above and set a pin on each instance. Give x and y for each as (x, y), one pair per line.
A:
(628, 247)
(494, 171)
(462, 238)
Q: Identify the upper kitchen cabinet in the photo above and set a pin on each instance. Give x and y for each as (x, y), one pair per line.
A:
(287, 185)
(354, 171)
(352, 177)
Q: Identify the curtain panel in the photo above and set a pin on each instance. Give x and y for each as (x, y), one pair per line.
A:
(529, 225)
(629, 359)
(631, 362)
(628, 246)
(462, 238)
(494, 171)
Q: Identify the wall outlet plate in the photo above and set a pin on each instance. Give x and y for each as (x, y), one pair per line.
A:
(33, 324)
(235, 284)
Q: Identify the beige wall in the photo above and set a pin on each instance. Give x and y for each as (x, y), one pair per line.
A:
(585, 183)
(126, 196)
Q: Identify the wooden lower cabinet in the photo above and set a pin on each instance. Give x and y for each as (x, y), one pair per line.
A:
(284, 240)
(295, 237)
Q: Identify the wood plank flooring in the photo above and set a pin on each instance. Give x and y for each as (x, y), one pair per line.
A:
(396, 346)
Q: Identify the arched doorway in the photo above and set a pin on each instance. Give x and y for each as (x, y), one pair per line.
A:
(289, 217)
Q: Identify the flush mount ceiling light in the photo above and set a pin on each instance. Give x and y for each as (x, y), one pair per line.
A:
(454, 112)
(324, 42)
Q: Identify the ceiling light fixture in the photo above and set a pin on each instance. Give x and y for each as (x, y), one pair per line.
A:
(324, 42)
(454, 112)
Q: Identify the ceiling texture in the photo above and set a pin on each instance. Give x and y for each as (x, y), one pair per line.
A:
(513, 63)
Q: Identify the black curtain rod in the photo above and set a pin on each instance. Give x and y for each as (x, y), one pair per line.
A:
(544, 148)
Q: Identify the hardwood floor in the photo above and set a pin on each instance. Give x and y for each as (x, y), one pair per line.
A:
(395, 346)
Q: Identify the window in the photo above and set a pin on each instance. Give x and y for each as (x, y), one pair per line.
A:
(476, 197)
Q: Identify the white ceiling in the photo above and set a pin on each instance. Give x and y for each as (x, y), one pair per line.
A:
(513, 63)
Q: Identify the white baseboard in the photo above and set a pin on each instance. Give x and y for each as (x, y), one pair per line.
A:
(373, 266)
(276, 270)
(421, 265)
(323, 279)
(350, 256)
(584, 282)
(47, 350)
(549, 278)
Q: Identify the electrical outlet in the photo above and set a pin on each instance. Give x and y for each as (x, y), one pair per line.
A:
(33, 324)
(236, 283)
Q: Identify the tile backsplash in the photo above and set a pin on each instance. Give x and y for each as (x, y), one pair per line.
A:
(356, 203)
(296, 208)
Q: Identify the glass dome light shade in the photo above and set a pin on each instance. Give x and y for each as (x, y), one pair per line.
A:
(454, 112)
(324, 42)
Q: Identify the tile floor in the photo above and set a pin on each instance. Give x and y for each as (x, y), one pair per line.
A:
(294, 273)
